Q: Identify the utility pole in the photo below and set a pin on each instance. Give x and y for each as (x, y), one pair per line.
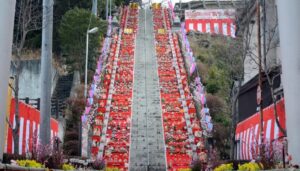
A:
(181, 14)
(259, 88)
(106, 11)
(110, 8)
(264, 35)
(95, 7)
(7, 15)
(288, 14)
(46, 76)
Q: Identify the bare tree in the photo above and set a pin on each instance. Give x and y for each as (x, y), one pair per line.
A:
(27, 19)
(246, 27)
(270, 41)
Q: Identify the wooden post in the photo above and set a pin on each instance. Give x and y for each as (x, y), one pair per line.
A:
(259, 93)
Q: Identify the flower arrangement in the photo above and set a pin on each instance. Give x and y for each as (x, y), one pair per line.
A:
(68, 167)
(224, 167)
(29, 163)
(251, 166)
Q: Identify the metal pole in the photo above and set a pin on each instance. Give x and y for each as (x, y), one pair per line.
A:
(86, 63)
(288, 15)
(7, 13)
(46, 74)
(106, 11)
(264, 35)
(110, 8)
(260, 80)
(94, 8)
(180, 5)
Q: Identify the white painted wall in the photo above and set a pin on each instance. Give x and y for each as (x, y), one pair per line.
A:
(273, 55)
(251, 60)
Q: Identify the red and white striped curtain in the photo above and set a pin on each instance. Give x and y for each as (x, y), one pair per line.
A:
(214, 21)
(225, 27)
(248, 131)
(29, 125)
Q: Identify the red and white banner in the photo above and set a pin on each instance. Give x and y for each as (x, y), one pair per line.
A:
(215, 21)
(248, 131)
(29, 124)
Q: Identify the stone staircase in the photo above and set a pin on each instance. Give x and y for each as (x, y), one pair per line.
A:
(61, 93)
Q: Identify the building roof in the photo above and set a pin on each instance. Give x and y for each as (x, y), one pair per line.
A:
(209, 4)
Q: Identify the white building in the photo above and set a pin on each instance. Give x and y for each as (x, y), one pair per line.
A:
(247, 26)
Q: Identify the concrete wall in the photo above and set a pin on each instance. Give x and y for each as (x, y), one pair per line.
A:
(272, 41)
(251, 60)
(30, 78)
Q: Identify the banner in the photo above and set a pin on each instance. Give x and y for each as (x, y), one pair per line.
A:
(215, 21)
(248, 131)
(29, 125)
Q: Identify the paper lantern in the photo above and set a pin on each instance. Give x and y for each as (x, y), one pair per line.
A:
(203, 99)
(93, 87)
(206, 110)
(207, 118)
(96, 78)
(192, 68)
(90, 100)
(87, 109)
(191, 59)
(91, 93)
(83, 119)
(197, 80)
(209, 127)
